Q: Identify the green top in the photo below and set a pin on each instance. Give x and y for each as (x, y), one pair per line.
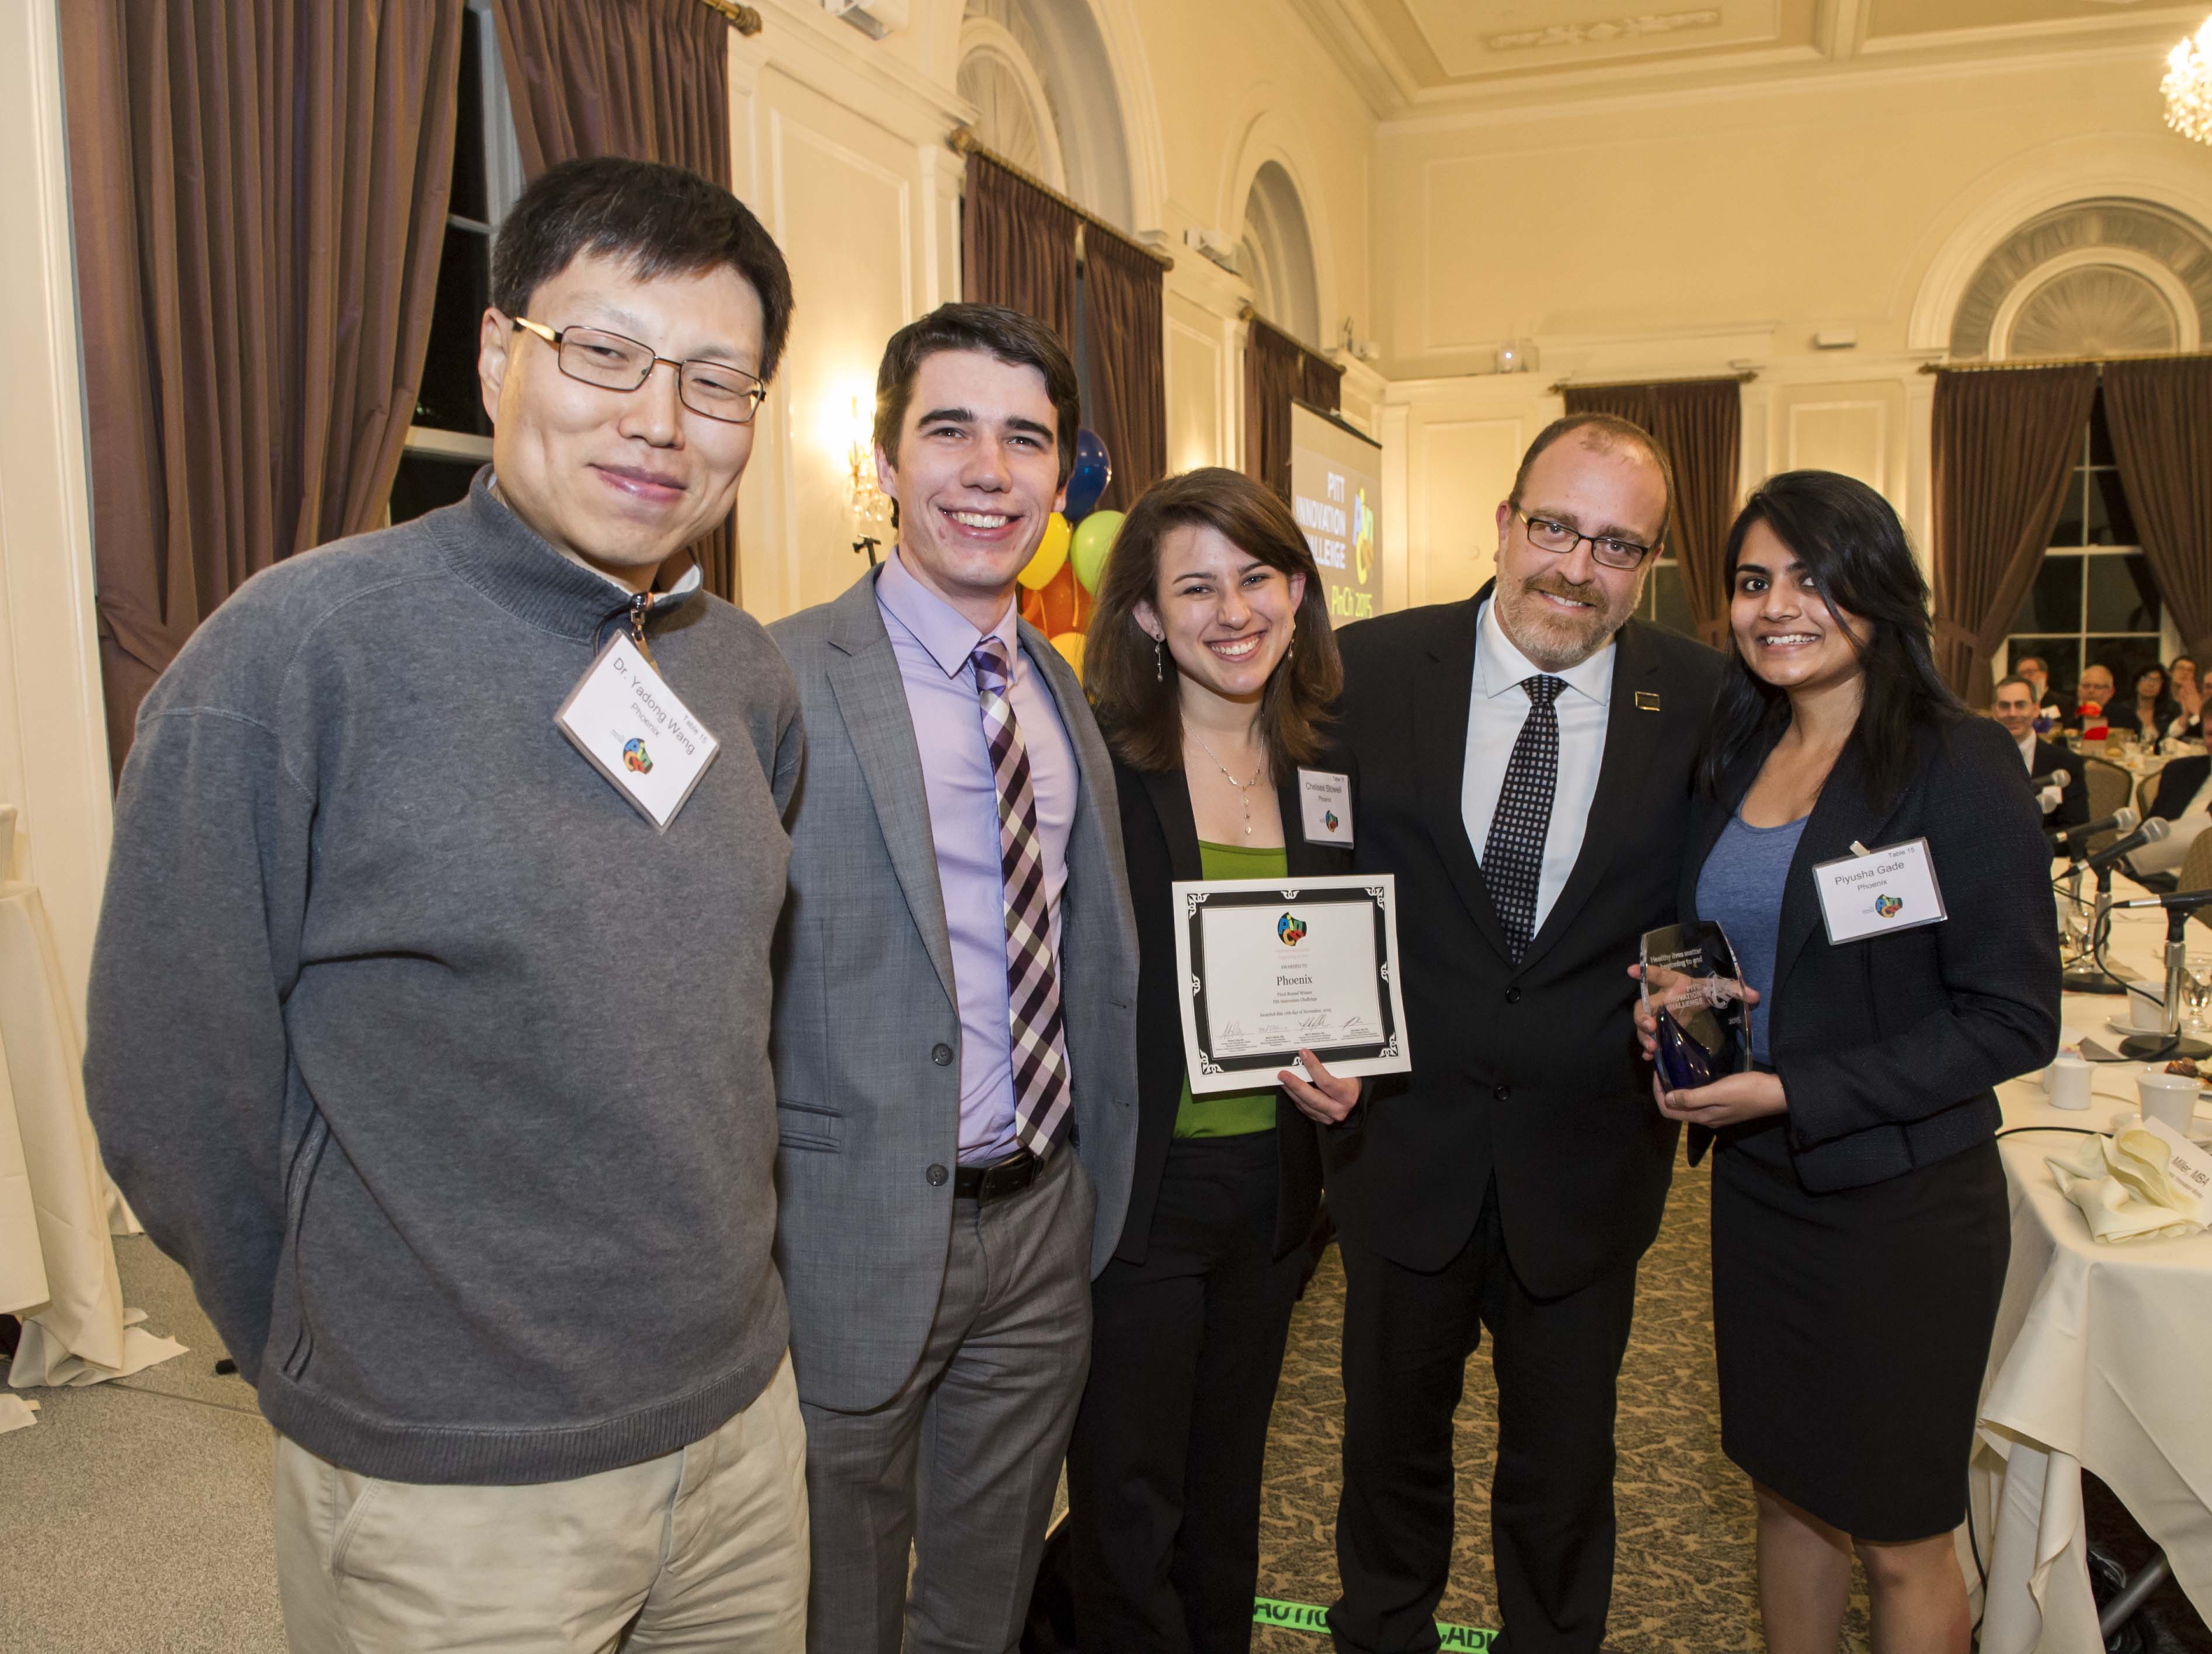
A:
(1231, 1113)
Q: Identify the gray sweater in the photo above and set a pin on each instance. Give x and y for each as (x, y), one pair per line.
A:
(442, 1071)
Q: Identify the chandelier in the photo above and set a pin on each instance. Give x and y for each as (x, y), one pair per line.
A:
(2188, 86)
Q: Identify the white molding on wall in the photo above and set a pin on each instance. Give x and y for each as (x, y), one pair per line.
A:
(2170, 288)
(53, 727)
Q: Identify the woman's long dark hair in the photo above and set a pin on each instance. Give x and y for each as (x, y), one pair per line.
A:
(1850, 538)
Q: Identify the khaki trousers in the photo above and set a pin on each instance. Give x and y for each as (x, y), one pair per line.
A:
(702, 1548)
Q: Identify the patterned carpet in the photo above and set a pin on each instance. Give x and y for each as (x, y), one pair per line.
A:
(1683, 1581)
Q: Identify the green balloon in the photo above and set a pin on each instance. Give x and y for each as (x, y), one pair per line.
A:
(1094, 538)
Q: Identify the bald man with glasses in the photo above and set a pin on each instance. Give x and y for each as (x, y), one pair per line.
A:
(1525, 761)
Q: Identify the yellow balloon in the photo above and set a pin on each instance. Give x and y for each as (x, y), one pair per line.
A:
(1051, 554)
(1070, 645)
(1094, 538)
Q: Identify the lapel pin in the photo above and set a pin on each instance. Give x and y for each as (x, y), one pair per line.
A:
(1647, 699)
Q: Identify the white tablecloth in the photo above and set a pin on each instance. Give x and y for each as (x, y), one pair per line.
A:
(56, 1260)
(2102, 1360)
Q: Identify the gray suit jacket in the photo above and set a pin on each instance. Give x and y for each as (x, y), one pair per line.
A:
(864, 998)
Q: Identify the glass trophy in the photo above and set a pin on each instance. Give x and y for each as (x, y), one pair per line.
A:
(1692, 987)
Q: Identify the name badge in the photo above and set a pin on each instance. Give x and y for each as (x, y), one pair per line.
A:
(2189, 1167)
(1325, 800)
(1870, 892)
(637, 732)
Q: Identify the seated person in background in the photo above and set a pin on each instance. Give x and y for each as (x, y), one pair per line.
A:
(2185, 798)
(2092, 697)
(2187, 723)
(2150, 710)
(2049, 714)
(2013, 705)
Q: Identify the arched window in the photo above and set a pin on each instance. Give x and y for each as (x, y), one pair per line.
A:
(1277, 255)
(1036, 70)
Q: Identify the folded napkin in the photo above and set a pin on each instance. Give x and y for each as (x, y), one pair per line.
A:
(2122, 1187)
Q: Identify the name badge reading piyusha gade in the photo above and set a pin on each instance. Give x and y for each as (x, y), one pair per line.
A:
(1870, 892)
(636, 732)
(1325, 805)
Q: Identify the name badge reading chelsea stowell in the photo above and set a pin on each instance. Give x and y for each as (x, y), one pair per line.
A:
(624, 718)
(1870, 892)
(1325, 802)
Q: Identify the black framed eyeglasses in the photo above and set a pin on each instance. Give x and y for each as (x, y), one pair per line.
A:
(1549, 534)
(713, 389)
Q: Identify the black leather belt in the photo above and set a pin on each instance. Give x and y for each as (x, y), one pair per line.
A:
(999, 1179)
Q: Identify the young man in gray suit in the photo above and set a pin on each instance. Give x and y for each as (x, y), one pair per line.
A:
(954, 1037)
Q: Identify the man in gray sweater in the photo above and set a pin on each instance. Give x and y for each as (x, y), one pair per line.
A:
(429, 1024)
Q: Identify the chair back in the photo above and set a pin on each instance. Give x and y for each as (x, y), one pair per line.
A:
(2195, 873)
(2110, 787)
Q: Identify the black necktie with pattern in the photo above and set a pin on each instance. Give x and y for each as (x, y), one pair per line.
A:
(1513, 858)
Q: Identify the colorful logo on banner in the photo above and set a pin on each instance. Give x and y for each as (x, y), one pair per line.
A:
(1362, 536)
(634, 757)
(1291, 930)
(1328, 819)
(1889, 906)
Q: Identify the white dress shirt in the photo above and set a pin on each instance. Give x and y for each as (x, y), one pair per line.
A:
(1495, 711)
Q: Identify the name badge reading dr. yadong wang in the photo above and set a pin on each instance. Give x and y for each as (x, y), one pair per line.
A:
(637, 732)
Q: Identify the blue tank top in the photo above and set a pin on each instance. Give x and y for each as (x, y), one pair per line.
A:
(1739, 887)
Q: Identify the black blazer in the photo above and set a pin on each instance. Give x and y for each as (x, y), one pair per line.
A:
(1890, 1048)
(2073, 809)
(1159, 838)
(1530, 1071)
(2177, 784)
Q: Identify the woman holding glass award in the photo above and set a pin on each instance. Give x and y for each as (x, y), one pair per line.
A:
(1872, 856)
(1209, 662)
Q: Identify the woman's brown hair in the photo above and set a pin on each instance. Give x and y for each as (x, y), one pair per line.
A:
(1134, 690)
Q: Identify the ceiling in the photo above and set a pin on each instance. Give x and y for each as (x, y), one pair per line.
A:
(1414, 54)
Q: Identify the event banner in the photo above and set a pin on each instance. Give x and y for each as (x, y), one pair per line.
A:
(1336, 493)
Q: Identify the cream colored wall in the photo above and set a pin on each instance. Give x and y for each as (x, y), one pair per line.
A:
(53, 741)
(840, 146)
(1689, 233)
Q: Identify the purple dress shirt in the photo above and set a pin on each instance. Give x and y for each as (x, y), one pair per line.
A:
(933, 642)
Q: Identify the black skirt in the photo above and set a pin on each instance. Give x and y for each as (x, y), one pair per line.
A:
(1852, 1329)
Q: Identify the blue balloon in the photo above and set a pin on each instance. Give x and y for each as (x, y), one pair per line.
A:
(1093, 471)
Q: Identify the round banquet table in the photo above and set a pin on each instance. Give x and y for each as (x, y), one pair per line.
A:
(2102, 1361)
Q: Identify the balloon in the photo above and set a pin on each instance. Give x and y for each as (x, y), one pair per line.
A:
(1094, 538)
(1051, 553)
(1070, 645)
(1087, 481)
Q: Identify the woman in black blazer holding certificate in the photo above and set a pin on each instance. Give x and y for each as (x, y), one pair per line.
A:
(1210, 661)
(1861, 1224)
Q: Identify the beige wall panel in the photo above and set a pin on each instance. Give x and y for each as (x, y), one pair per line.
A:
(843, 197)
(1463, 468)
(1193, 384)
(1857, 429)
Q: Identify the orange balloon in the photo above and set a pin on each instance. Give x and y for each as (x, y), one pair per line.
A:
(1070, 645)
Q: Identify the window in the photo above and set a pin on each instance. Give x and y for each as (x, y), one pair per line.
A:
(2093, 598)
(1664, 603)
(451, 437)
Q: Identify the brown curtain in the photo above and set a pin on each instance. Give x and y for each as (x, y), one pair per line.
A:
(1278, 369)
(1699, 422)
(258, 190)
(2160, 418)
(1018, 249)
(1123, 329)
(645, 79)
(2005, 443)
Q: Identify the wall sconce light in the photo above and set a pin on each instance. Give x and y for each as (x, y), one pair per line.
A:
(870, 508)
(1517, 356)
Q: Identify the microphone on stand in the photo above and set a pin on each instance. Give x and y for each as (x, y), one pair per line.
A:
(2169, 1041)
(2094, 978)
(2058, 778)
(2102, 862)
(2123, 820)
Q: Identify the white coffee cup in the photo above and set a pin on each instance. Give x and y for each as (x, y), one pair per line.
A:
(2067, 1082)
(2169, 1099)
(2147, 1007)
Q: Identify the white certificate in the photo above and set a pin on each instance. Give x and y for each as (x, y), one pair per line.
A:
(1271, 967)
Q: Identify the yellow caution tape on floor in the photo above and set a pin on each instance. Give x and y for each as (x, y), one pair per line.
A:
(1305, 1616)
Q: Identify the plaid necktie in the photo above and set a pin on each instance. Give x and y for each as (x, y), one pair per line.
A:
(1513, 859)
(1043, 1100)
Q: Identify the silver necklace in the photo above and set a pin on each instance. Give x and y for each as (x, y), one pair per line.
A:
(1244, 788)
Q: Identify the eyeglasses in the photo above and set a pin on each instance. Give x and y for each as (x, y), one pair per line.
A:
(713, 389)
(1549, 534)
